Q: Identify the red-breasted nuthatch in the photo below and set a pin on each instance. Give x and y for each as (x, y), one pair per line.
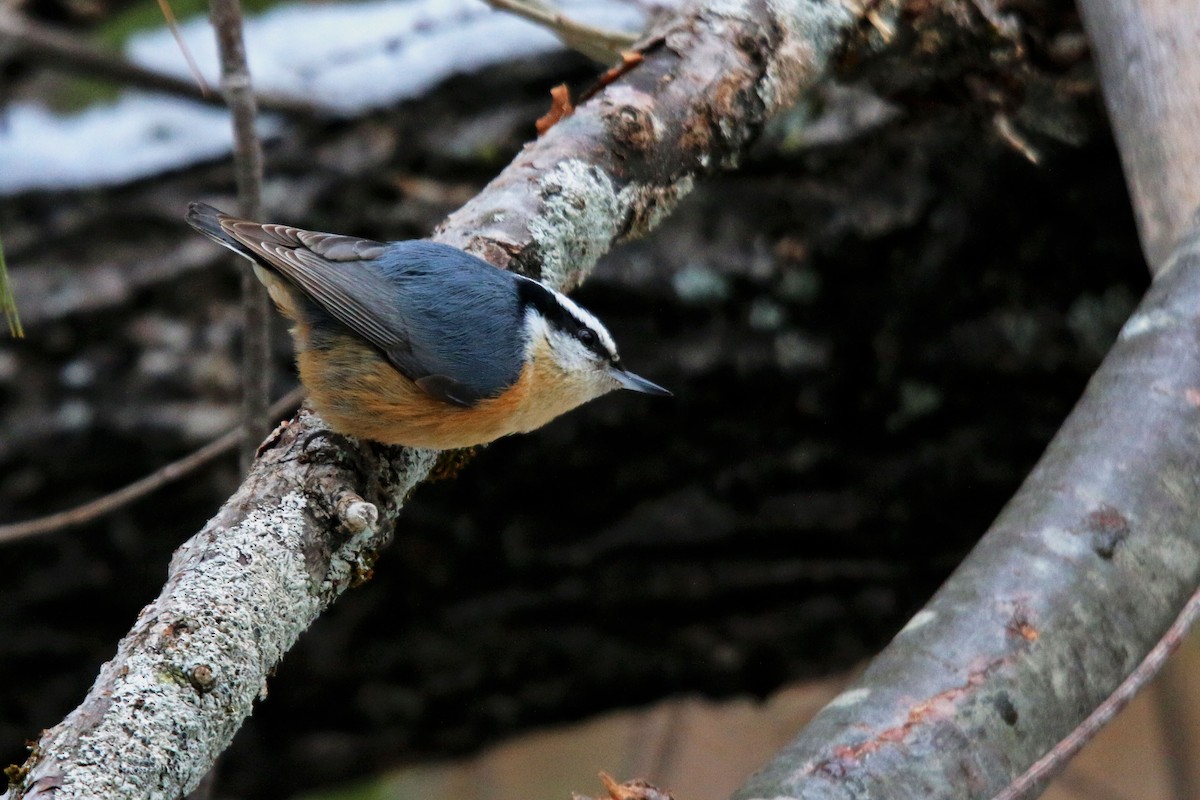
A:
(421, 344)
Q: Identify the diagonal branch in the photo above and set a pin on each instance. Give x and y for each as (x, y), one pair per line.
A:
(315, 508)
(130, 493)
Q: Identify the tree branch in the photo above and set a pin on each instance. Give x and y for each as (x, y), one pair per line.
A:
(164, 475)
(315, 508)
(55, 48)
(1149, 68)
(248, 171)
(597, 44)
(1094, 557)
(1074, 583)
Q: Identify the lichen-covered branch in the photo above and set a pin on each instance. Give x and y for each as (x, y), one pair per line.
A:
(1074, 583)
(711, 78)
(303, 527)
(316, 507)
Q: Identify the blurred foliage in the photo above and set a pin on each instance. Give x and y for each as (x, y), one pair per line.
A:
(117, 29)
(8, 303)
(113, 31)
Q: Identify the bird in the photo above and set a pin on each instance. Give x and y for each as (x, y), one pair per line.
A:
(421, 344)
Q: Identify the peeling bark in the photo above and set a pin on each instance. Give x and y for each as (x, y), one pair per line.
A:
(241, 591)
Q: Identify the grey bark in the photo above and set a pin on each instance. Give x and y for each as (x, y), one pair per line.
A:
(1076, 580)
(1089, 564)
(1150, 75)
(315, 508)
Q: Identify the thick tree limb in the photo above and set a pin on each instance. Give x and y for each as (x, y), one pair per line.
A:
(1150, 72)
(1073, 584)
(1090, 562)
(239, 594)
(241, 591)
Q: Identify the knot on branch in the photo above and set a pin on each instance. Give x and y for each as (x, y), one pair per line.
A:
(355, 513)
(202, 679)
(630, 118)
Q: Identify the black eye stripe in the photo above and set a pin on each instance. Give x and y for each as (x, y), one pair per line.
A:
(532, 293)
(591, 340)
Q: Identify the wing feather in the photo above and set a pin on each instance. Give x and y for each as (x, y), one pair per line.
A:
(345, 276)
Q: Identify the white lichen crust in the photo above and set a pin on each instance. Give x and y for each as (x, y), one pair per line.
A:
(237, 600)
(237, 597)
(579, 219)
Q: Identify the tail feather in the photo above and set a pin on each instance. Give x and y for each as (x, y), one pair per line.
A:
(207, 220)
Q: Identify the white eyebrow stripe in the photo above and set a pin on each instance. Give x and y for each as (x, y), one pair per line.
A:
(588, 319)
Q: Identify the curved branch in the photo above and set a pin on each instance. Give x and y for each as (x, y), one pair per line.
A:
(1150, 71)
(1095, 556)
(1074, 583)
(315, 508)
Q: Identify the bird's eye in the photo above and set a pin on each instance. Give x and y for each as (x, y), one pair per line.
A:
(588, 337)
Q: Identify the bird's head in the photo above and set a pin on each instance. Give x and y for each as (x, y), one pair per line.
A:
(581, 349)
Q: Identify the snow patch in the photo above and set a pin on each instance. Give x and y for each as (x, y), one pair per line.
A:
(344, 57)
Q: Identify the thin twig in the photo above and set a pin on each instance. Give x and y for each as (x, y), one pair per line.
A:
(248, 170)
(1014, 139)
(598, 44)
(48, 45)
(173, 26)
(94, 509)
(1032, 779)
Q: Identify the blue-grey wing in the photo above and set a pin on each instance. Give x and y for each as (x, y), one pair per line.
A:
(448, 321)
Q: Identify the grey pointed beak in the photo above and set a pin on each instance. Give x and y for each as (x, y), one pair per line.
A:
(637, 383)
